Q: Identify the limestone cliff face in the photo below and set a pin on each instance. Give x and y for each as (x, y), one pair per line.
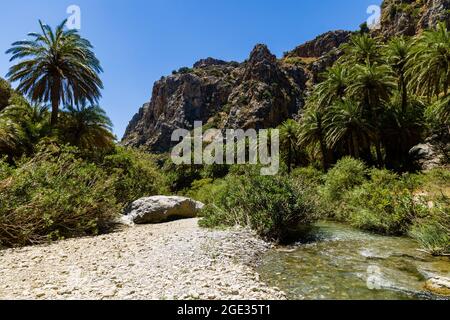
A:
(409, 17)
(258, 93)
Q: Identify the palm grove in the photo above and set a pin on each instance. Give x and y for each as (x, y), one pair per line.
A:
(378, 101)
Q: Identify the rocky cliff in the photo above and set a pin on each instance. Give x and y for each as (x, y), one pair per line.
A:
(409, 17)
(258, 93)
(263, 91)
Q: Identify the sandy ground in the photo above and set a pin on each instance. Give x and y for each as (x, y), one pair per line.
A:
(176, 260)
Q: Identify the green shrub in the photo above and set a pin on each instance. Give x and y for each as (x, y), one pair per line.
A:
(347, 174)
(55, 195)
(309, 176)
(206, 190)
(137, 175)
(383, 205)
(271, 205)
(433, 231)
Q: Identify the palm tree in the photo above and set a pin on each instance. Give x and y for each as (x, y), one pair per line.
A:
(312, 132)
(347, 126)
(333, 87)
(440, 111)
(87, 127)
(398, 52)
(289, 132)
(361, 49)
(57, 67)
(372, 86)
(32, 121)
(429, 63)
(9, 137)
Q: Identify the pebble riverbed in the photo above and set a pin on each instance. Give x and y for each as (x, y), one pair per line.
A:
(175, 260)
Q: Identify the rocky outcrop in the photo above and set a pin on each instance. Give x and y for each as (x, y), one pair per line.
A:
(260, 92)
(160, 209)
(409, 17)
(321, 45)
(267, 94)
(177, 102)
(433, 153)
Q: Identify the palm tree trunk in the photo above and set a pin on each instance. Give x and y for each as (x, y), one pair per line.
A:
(289, 159)
(404, 93)
(355, 145)
(55, 104)
(323, 145)
(323, 149)
(379, 154)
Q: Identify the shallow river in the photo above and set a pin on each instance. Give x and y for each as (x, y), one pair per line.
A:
(335, 261)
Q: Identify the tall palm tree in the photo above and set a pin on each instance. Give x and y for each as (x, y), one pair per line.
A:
(87, 127)
(57, 67)
(289, 132)
(347, 126)
(333, 87)
(372, 86)
(429, 63)
(312, 132)
(361, 49)
(398, 51)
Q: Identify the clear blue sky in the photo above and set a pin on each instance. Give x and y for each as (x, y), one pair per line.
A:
(138, 41)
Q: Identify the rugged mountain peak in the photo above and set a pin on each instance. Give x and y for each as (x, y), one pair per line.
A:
(262, 64)
(203, 63)
(321, 45)
(261, 53)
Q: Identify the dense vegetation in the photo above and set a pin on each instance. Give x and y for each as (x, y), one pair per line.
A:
(61, 173)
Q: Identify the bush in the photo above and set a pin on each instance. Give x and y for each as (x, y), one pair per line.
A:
(347, 174)
(271, 205)
(309, 176)
(382, 205)
(206, 190)
(137, 175)
(433, 230)
(55, 195)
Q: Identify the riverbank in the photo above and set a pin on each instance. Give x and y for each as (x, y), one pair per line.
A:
(176, 260)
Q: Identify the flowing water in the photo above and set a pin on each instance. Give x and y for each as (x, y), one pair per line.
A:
(335, 261)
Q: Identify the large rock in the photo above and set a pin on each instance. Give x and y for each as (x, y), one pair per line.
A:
(430, 154)
(159, 209)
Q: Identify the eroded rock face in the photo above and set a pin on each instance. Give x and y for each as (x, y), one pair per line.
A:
(268, 93)
(322, 45)
(159, 209)
(409, 17)
(259, 93)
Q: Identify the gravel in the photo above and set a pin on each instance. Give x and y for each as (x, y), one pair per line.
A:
(176, 260)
